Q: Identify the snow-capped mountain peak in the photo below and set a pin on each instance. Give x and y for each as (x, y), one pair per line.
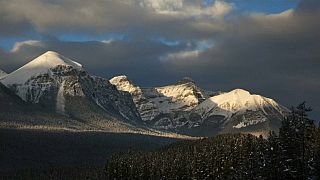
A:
(186, 95)
(236, 101)
(38, 66)
(124, 84)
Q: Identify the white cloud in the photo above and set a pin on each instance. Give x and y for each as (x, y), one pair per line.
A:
(181, 55)
(18, 45)
(186, 9)
(285, 14)
(107, 41)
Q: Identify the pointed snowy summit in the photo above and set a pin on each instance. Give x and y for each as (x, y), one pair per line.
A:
(38, 66)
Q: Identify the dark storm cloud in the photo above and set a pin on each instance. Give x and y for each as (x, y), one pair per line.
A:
(12, 27)
(172, 18)
(71, 15)
(137, 58)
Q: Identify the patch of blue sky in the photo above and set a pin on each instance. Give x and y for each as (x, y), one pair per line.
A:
(263, 6)
(165, 41)
(208, 2)
(7, 43)
(194, 45)
(260, 6)
(203, 45)
(86, 38)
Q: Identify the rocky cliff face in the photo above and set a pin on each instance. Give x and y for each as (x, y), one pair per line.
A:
(186, 108)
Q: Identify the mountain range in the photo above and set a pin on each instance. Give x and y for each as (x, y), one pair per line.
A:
(186, 108)
(53, 91)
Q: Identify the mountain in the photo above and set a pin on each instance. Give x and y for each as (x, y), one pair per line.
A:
(185, 108)
(38, 66)
(156, 104)
(2, 74)
(240, 111)
(54, 79)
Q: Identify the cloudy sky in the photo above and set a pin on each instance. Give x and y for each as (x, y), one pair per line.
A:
(269, 47)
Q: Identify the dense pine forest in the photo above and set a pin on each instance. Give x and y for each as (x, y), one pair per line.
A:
(292, 154)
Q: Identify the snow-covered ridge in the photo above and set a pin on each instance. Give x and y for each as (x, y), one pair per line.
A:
(38, 66)
(185, 105)
(235, 101)
(124, 84)
(184, 95)
(152, 102)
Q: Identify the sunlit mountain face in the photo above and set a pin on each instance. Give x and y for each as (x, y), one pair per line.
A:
(92, 78)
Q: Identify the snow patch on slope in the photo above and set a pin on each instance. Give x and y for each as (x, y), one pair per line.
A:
(60, 104)
(250, 122)
(32, 93)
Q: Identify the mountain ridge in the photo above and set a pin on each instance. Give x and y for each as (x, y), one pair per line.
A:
(166, 108)
(64, 87)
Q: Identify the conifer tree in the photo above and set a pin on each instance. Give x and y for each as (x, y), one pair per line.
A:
(297, 136)
(273, 156)
(317, 153)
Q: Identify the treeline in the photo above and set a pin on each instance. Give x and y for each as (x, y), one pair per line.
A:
(293, 153)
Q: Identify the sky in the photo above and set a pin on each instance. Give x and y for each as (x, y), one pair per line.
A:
(269, 47)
